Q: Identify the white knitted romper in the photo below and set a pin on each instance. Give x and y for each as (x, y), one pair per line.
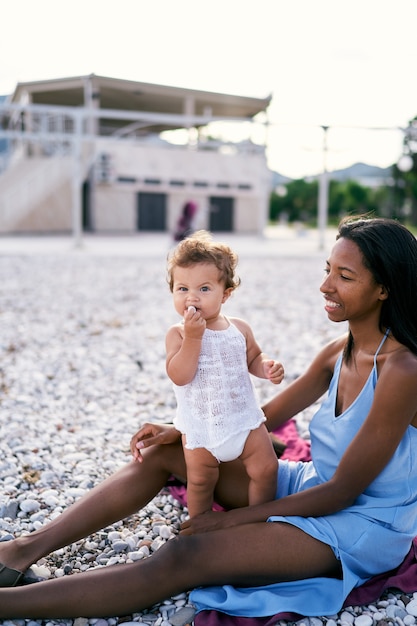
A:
(220, 402)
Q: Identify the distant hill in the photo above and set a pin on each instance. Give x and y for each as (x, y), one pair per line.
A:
(279, 179)
(367, 175)
(362, 171)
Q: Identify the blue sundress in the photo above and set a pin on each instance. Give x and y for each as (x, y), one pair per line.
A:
(370, 537)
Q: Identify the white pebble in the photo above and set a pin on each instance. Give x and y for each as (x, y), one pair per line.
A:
(119, 546)
(165, 532)
(378, 616)
(30, 506)
(156, 544)
(363, 620)
(144, 550)
(42, 571)
(75, 492)
(183, 616)
(411, 608)
(113, 536)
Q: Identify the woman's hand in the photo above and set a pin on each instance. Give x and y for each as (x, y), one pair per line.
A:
(152, 435)
(205, 523)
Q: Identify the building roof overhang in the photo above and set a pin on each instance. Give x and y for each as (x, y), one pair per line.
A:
(128, 95)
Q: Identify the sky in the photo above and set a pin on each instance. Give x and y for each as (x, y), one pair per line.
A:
(349, 65)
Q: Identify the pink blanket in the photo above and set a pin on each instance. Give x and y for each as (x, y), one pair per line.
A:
(403, 578)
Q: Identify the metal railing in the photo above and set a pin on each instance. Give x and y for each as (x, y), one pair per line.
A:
(48, 130)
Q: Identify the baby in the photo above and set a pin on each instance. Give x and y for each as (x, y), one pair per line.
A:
(209, 358)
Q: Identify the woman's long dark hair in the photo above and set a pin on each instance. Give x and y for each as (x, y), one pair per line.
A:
(389, 251)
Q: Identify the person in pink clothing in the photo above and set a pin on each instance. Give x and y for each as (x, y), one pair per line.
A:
(185, 222)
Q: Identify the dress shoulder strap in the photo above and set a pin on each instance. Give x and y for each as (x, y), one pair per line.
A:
(387, 332)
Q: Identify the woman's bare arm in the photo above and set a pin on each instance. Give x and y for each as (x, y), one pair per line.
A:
(306, 389)
(393, 410)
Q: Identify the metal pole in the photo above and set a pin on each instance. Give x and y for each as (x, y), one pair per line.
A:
(76, 183)
(323, 199)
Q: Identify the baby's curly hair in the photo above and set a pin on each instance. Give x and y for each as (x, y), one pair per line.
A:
(200, 248)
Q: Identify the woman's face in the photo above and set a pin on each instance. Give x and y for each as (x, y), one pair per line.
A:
(349, 288)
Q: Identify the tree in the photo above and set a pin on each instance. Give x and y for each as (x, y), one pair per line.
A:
(298, 200)
(405, 178)
(348, 198)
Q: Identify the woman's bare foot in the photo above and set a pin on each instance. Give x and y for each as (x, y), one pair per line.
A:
(12, 555)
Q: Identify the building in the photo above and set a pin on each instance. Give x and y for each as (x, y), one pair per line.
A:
(118, 156)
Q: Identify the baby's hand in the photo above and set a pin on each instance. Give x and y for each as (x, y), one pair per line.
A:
(194, 323)
(274, 371)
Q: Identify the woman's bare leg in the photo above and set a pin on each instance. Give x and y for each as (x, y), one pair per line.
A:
(119, 496)
(273, 552)
(261, 465)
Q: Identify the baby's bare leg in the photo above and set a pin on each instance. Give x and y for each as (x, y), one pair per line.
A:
(202, 476)
(261, 464)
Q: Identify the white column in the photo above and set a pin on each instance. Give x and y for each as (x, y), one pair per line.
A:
(76, 181)
(189, 112)
(92, 102)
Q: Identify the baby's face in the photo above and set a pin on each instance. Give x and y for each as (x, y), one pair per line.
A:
(199, 286)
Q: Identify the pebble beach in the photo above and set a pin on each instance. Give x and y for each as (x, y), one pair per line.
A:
(82, 366)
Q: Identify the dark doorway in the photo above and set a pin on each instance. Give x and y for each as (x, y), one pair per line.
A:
(86, 206)
(221, 214)
(151, 215)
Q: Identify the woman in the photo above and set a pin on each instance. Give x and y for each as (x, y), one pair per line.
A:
(331, 515)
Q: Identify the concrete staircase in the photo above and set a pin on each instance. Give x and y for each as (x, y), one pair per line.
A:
(34, 191)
